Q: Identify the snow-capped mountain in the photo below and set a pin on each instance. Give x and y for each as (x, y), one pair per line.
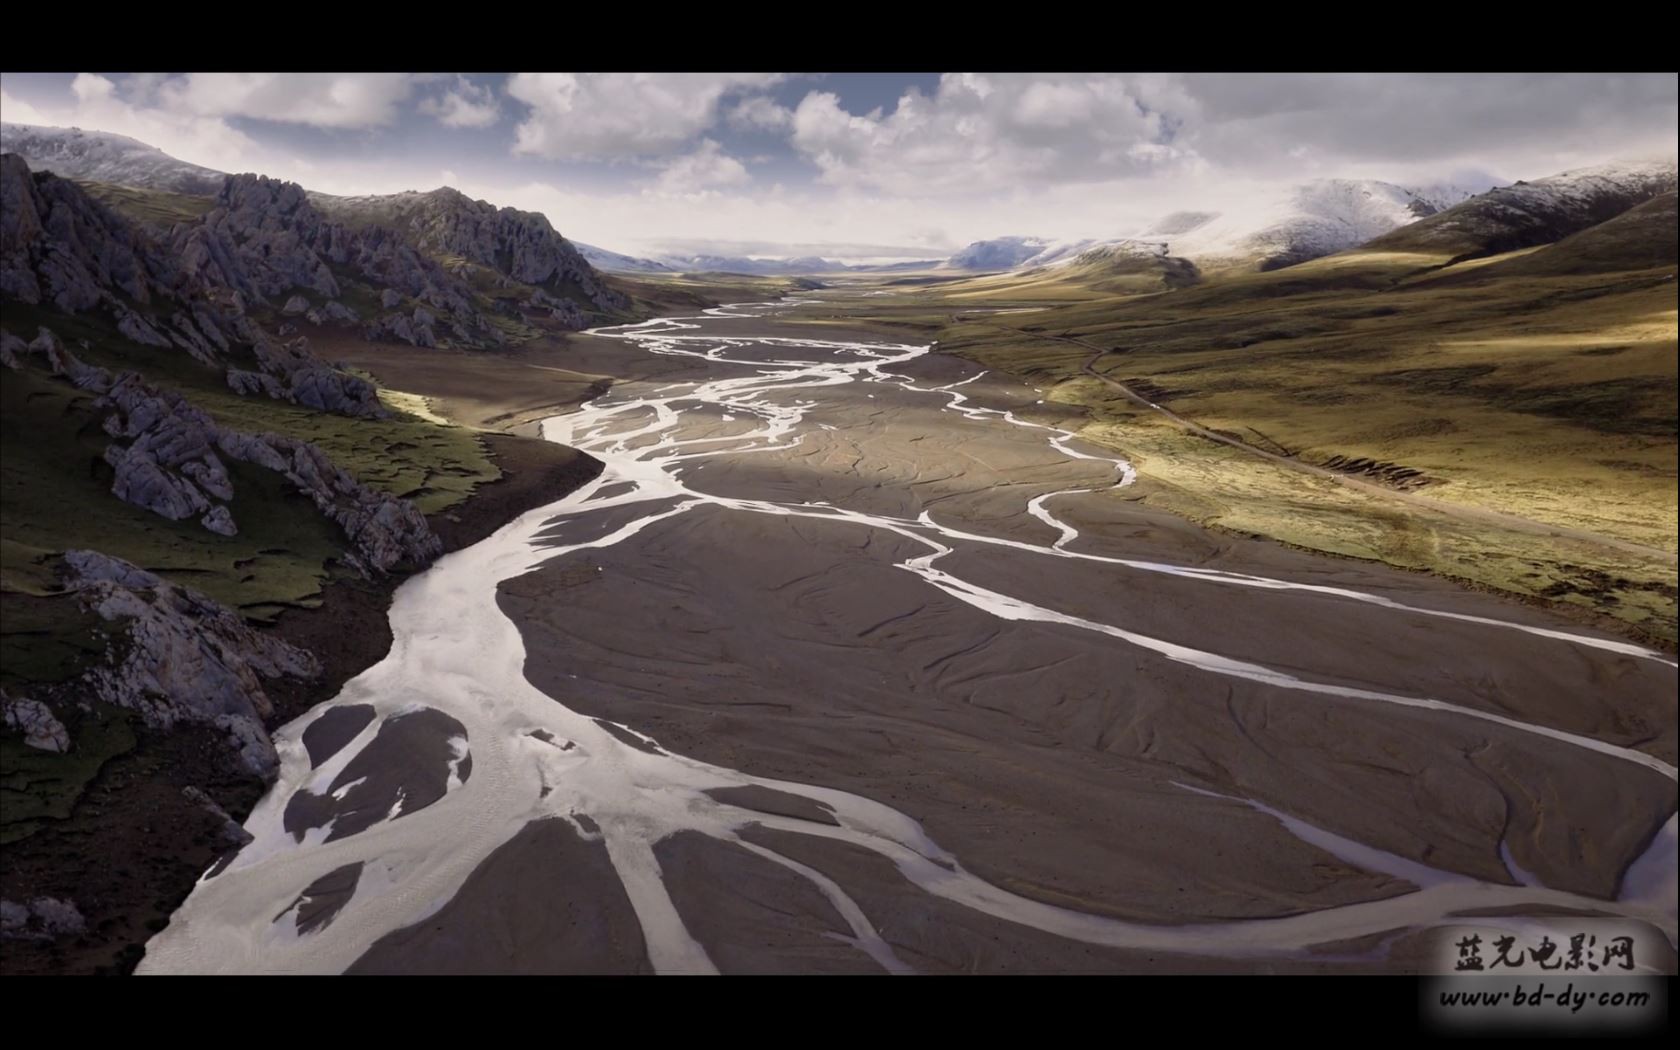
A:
(1529, 213)
(1313, 219)
(100, 156)
(602, 259)
(998, 253)
(1089, 250)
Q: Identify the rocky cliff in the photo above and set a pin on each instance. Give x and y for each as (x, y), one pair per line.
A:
(182, 657)
(268, 241)
(416, 251)
(61, 249)
(521, 246)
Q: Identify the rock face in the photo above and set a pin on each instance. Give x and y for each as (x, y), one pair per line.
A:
(333, 312)
(291, 373)
(265, 239)
(60, 247)
(269, 241)
(401, 328)
(384, 531)
(563, 310)
(172, 463)
(186, 658)
(36, 722)
(521, 246)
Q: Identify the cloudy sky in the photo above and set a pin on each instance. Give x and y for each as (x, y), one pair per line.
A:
(862, 165)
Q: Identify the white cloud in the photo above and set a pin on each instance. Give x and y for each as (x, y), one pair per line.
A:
(1534, 123)
(1056, 156)
(620, 115)
(326, 100)
(760, 113)
(708, 167)
(984, 132)
(97, 104)
(463, 105)
(146, 108)
(17, 111)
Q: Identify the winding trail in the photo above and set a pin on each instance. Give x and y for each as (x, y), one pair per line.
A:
(532, 757)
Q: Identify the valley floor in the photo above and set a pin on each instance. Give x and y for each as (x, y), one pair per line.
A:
(1516, 435)
(853, 659)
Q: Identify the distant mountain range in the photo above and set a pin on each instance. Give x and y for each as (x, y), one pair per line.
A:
(1308, 221)
(1528, 214)
(603, 259)
(1311, 220)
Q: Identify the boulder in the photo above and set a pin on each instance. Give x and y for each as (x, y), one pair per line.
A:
(187, 658)
(35, 720)
(41, 919)
(170, 465)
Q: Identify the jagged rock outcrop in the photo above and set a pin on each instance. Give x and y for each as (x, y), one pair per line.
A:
(384, 531)
(563, 310)
(402, 328)
(334, 312)
(245, 383)
(170, 465)
(291, 373)
(187, 658)
(59, 360)
(60, 246)
(173, 467)
(265, 238)
(201, 334)
(39, 727)
(521, 246)
(41, 919)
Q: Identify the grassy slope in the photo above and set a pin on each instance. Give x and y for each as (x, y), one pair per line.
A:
(1533, 384)
(149, 207)
(55, 490)
(55, 496)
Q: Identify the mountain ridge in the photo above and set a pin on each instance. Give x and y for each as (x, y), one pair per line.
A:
(511, 248)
